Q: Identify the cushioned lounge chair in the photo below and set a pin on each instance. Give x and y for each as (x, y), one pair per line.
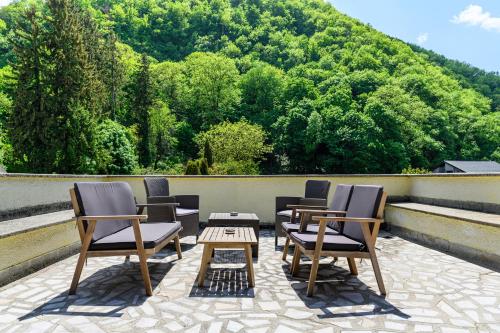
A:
(158, 191)
(356, 240)
(302, 215)
(109, 225)
(316, 196)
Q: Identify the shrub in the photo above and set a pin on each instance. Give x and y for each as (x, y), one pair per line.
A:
(414, 171)
(192, 168)
(116, 149)
(235, 168)
(203, 165)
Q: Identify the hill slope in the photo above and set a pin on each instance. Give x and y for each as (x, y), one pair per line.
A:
(332, 94)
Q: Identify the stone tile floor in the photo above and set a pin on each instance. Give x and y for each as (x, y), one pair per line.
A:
(428, 291)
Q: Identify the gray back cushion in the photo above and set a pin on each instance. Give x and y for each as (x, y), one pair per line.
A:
(341, 199)
(114, 198)
(156, 187)
(317, 189)
(365, 200)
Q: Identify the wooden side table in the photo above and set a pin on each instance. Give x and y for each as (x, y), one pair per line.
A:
(216, 237)
(240, 220)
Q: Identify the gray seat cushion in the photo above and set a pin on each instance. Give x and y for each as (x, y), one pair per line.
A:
(185, 211)
(286, 213)
(330, 242)
(102, 198)
(291, 227)
(152, 235)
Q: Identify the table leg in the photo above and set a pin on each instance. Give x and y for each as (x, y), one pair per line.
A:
(250, 272)
(205, 260)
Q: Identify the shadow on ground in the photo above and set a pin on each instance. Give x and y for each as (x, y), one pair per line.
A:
(106, 293)
(224, 281)
(338, 294)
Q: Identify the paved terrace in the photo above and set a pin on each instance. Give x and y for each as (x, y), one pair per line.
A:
(428, 291)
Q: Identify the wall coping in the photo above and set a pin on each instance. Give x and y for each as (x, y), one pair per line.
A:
(492, 220)
(447, 175)
(26, 224)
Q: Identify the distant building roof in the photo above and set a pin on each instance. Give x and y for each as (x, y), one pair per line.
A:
(475, 166)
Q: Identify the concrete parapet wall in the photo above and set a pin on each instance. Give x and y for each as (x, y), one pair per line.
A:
(474, 239)
(25, 251)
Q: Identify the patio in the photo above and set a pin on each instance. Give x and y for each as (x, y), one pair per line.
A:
(428, 291)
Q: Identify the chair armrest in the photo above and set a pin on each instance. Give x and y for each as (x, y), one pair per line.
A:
(141, 207)
(324, 219)
(188, 201)
(282, 202)
(320, 211)
(158, 204)
(160, 199)
(306, 207)
(111, 217)
(313, 202)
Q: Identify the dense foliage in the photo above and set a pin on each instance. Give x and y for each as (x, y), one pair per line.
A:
(228, 87)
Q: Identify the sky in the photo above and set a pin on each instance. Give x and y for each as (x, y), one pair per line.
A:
(466, 30)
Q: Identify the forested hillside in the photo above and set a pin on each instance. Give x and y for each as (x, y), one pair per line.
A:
(229, 87)
(487, 83)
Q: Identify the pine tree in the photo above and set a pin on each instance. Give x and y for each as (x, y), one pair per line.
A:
(141, 104)
(72, 81)
(207, 153)
(203, 165)
(29, 122)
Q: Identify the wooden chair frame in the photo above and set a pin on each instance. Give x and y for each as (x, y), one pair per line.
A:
(86, 239)
(370, 228)
(305, 213)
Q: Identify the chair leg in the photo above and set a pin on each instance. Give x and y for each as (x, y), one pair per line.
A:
(82, 258)
(275, 239)
(143, 260)
(352, 266)
(178, 247)
(127, 258)
(285, 248)
(378, 274)
(295, 261)
(312, 277)
(78, 272)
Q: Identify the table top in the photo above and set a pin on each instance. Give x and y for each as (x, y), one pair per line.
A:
(227, 216)
(242, 235)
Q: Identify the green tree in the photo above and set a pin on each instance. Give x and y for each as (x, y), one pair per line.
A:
(28, 128)
(142, 102)
(115, 144)
(162, 132)
(261, 88)
(240, 141)
(209, 89)
(72, 87)
(207, 153)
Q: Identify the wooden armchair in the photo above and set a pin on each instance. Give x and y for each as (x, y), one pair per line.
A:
(109, 225)
(301, 215)
(357, 239)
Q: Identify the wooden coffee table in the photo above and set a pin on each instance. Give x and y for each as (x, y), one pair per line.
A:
(240, 220)
(217, 238)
